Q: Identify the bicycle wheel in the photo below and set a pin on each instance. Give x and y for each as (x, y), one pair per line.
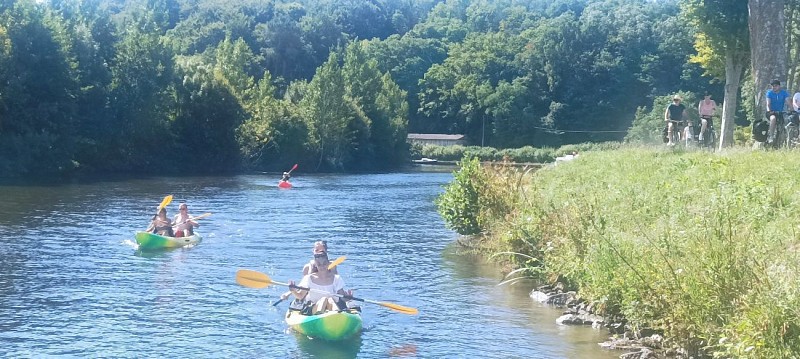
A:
(791, 136)
(780, 137)
(710, 137)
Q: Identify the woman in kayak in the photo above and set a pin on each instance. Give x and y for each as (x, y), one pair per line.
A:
(311, 267)
(161, 224)
(324, 284)
(285, 177)
(183, 224)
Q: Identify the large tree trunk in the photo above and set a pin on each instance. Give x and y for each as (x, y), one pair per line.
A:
(734, 66)
(767, 46)
(793, 50)
(789, 21)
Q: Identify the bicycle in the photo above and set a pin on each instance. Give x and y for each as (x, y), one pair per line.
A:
(793, 130)
(680, 132)
(779, 138)
(710, 136)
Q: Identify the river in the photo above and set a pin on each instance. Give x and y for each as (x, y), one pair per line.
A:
(73, 285)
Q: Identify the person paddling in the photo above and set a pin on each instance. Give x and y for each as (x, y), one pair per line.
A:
(311, 267)
(324, 285)
(161, 224)
(183, 225)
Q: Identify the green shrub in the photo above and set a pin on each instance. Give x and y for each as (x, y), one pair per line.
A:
(459, 205)
(477, 197)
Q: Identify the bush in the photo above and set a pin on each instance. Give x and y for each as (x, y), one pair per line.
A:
(459, 205)
(476, 198)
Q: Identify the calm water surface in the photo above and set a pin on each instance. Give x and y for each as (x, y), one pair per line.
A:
(73, 285)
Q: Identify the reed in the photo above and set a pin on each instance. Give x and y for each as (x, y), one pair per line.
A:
(701, 246)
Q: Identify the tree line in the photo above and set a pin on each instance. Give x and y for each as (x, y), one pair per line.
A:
(192, 86)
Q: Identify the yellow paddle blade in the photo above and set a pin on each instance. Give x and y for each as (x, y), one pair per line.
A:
(252, 279)
(336, 262)
(399, 308)
(165, 202)
(204, 215)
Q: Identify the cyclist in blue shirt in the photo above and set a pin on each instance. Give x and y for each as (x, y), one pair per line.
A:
(777, 99)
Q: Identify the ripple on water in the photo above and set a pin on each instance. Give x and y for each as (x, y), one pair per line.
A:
(71, 283)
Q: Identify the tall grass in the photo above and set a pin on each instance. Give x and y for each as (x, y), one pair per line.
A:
(522, 154)
(703, 247)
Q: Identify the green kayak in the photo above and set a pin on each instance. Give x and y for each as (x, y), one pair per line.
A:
(333, 325)
(147, 240)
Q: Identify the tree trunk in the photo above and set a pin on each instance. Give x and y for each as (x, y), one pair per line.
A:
(734, 66)
(790, 47)
(767, 46)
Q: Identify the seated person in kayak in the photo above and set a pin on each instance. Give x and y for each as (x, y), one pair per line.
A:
(183, 225)
(161, 224)
(324, 285)
(311, 267)
(285, 177)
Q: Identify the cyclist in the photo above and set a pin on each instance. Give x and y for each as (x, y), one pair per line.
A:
(673, 116)
(796, 101)
(706, 109)
(794, 122)
(777, 98)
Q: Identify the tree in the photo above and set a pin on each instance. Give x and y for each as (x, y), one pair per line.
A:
(141, 98)
(382, 104)
(329, 114)
(723, 49)
(406, 59)
(37, 87)
(767, 45)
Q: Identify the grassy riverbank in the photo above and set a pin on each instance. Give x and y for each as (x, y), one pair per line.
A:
(701, 246)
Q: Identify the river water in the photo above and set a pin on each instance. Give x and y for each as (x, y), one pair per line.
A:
(73, 285)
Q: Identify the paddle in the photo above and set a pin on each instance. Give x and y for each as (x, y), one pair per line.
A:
(335, 263)
(293, 168)
(204, 215)
(253, 279)
(166, 201)
(163, 204)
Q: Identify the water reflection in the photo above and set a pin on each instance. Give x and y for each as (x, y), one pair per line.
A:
(314, 348)
(405, 350)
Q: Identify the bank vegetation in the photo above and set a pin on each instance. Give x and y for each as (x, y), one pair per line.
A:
(701, 247)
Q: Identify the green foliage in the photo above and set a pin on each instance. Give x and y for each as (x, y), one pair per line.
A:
(214, 101)
(329, 114)
(250, 84)
(525, 154)
(722, 31)
(140, 94)
(38, 117)
(699, 246)
(460, 204)
(580, 66)
(357, 116)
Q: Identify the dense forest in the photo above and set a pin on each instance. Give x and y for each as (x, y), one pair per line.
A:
(189, 86)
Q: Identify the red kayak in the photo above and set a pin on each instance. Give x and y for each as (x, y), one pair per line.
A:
(284, 184)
